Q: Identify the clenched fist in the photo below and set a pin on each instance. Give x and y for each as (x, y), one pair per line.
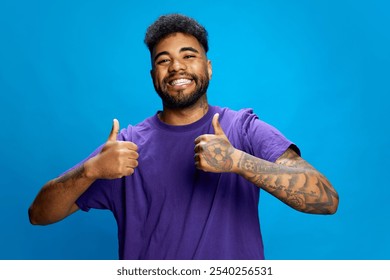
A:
(213, 152)
(115, 160)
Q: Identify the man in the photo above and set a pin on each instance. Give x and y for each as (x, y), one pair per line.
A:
(184, 183)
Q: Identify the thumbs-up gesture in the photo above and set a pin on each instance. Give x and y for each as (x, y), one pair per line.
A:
(116, 159)
(213, 152)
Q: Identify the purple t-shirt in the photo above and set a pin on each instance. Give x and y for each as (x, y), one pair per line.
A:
(168, 209)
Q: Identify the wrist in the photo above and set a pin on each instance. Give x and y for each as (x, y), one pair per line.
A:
(236, 155)
(89, 170)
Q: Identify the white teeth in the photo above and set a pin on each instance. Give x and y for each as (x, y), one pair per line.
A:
(180, 82)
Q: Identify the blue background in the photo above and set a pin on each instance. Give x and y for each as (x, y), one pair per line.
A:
(317, 70)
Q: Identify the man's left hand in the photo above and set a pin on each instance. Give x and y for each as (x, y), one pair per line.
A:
(213, 152)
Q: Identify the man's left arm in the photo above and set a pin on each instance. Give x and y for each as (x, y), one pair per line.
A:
(290, 179)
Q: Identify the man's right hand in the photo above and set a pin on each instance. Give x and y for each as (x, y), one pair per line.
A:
(115, 160)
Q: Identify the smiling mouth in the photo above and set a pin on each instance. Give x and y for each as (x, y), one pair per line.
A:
(180, 82)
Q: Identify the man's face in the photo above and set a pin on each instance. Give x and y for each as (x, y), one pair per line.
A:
(181, 71)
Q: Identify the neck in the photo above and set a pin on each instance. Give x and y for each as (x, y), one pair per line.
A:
(184, 116)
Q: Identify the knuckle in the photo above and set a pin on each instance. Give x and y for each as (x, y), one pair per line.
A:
(129, 172)
(200, 147)
(135, 155)
(117, 175)
(132, 146)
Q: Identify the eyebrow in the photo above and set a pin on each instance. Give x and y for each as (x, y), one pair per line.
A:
(184, 49)
(191, 49)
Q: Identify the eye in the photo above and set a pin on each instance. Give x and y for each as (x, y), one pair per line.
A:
(163, 61)
(189, 56)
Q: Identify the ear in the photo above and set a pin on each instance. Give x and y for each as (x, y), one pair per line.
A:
(209, 68)
(152, 70)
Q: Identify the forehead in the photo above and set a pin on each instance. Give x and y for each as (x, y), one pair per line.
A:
(175, 41)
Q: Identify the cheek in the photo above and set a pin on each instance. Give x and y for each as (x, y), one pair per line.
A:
(159, 77)
(204, 70)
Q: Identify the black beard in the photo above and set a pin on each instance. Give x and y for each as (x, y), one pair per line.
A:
(179, 100)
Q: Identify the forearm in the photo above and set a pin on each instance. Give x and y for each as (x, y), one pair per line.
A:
(56, 200)
(301, 187)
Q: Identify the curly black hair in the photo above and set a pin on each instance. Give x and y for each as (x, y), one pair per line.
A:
(172, 23)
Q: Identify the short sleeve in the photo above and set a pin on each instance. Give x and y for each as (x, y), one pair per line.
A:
(262, 139)
(98, 195)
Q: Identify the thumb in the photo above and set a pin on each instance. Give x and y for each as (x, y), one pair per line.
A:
(114, 130)
(217, 127)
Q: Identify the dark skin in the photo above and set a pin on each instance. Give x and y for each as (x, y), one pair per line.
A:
(290, 179)
(173, 57)
(56, 200)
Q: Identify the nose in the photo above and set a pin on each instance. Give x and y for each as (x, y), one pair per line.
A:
(176, 66)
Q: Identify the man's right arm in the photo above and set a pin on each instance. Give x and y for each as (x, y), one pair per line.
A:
(57, 198)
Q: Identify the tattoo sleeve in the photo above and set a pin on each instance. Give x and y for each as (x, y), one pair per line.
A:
(293, 181)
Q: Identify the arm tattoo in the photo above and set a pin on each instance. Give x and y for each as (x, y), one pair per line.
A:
(292, 180)
(71, 176)
(217, 153)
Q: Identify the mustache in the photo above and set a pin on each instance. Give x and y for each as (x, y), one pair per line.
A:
(182, 75)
